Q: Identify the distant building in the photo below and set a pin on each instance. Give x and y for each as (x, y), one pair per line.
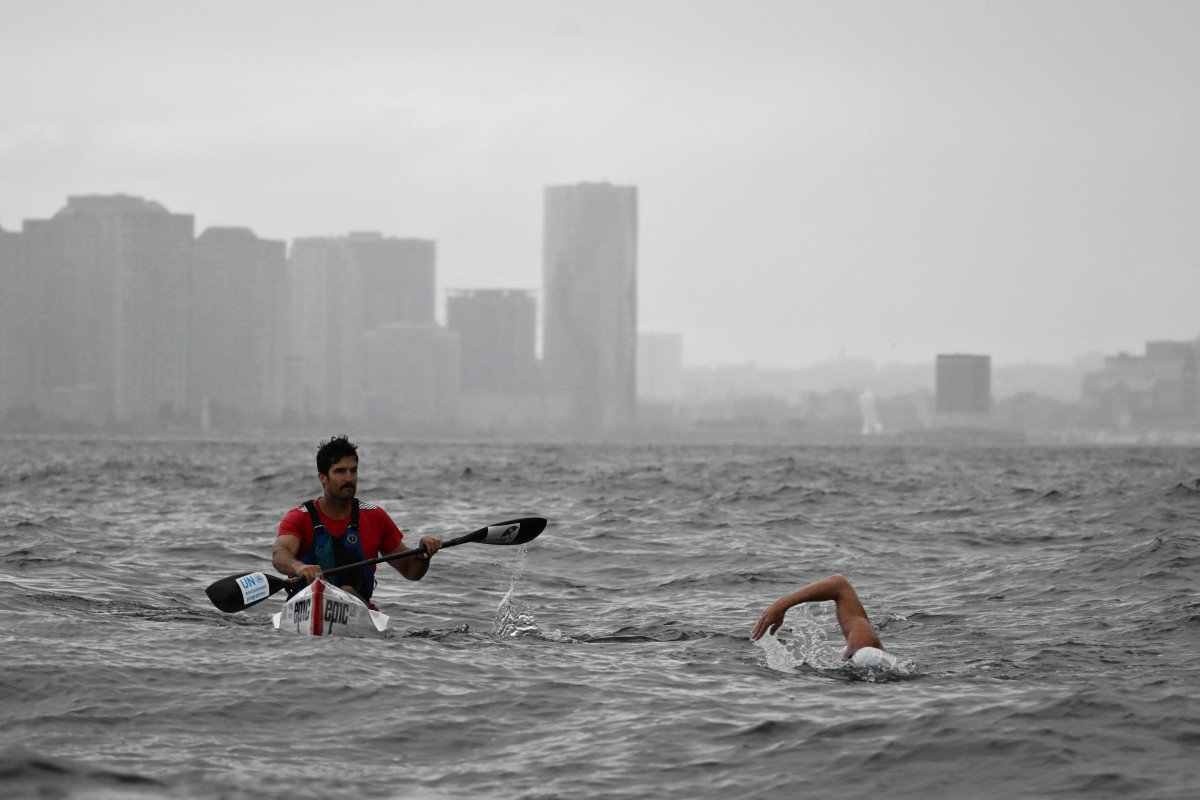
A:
(398, 276)
(324, 363)
(869, 409)
(1159, 388)
(109, 283)
(964, 384)
(343, 288)
(412, 379)
(237, 335)
(660, 367)
(501, 378)
(590, 292)
(16, 377)
(497, 329)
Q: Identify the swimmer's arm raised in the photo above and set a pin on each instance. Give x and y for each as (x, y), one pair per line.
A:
(852, 617)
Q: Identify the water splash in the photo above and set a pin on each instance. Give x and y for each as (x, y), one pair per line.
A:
(808, 645)
(790, 656)
(512, 620)
(900, 669)
(779, 657)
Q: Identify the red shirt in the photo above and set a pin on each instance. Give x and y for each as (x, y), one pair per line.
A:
(377, 534)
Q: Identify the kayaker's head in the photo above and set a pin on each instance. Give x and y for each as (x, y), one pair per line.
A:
(337, 467)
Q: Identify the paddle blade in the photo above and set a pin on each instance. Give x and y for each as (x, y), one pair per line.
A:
(515, 531)
(239, 592)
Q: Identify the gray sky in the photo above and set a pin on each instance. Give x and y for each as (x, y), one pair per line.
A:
(885, 179)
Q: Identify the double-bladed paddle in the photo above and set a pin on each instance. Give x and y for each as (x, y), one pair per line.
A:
(239, 592)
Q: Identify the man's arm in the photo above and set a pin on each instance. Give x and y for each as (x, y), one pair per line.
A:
(852, 617)
(283, 556)
(415, 567)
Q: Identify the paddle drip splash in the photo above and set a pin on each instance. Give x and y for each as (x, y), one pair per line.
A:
(512, 620)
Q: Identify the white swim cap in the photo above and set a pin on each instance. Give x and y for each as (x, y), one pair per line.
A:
(873, 658)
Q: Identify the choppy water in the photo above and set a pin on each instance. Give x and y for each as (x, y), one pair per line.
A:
(1045, 597)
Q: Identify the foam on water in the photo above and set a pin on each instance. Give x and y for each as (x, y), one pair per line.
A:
(778, 656)
(513, 620)
(805, 643)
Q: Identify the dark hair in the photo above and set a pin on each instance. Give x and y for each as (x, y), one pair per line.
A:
(333, 451)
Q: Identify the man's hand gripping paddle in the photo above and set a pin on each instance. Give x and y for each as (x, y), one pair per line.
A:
(239, 592)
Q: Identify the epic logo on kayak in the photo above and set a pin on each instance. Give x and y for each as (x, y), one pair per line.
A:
(301, 610)
(337, 612)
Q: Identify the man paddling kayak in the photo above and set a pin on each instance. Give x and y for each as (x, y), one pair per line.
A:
(861, 639)
(337, 529)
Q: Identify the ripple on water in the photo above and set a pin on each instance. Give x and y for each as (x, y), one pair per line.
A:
(1045, 596)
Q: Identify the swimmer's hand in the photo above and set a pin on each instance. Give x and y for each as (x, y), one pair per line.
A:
(770, 620)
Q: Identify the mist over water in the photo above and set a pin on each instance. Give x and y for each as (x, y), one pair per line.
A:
(1044, 597)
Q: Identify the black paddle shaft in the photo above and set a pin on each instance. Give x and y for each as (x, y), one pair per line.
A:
(515, 531)
(239, 592)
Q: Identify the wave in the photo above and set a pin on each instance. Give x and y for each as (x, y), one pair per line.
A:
(24, 774)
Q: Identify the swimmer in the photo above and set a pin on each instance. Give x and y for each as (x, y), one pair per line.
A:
(862, 643)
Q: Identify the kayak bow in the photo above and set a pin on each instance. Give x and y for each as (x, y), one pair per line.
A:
(321, 609)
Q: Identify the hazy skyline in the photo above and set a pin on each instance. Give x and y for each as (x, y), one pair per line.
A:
(887, 180)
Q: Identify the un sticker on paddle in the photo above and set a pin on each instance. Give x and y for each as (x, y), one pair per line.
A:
(239, 592)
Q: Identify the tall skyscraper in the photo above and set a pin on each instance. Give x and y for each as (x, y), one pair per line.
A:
(413, 380)
(325, 332)
(239, 296)
(589, 270)
(343, 288)
(497, 329)
(111, 287)
(398, 275)
(15, 341)
(964, 384)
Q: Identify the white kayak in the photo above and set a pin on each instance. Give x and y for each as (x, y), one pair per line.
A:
(321, 609)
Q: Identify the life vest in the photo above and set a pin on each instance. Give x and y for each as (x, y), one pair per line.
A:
(330, 551)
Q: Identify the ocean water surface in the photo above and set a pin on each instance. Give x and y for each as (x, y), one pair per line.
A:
(1043, 601)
